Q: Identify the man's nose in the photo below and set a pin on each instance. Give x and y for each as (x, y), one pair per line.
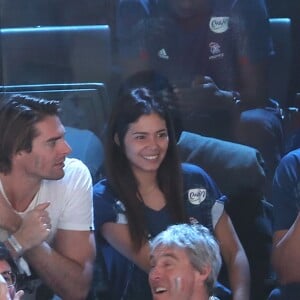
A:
(154, 274)
(66, 148)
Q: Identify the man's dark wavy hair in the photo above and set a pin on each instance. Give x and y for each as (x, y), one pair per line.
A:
(18, 115)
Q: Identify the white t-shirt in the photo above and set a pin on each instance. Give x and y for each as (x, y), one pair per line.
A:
(70, 206)
(70, 199)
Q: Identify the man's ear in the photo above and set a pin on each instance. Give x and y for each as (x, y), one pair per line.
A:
(20, 153)
(116, 139)
(204, 273)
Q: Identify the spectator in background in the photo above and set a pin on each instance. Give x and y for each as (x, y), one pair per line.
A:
(185, 261)
(216, 55)
(45, 199)
(8, 272)
(146, 190)
(286, 239)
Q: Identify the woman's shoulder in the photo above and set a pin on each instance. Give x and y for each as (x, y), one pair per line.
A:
(195, 175)
(107, 207)
(101, 186)
(192, 169)
(103, 190)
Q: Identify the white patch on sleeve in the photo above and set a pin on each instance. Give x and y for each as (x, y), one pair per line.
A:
(121, 216)
(121, 219)
(216, 212)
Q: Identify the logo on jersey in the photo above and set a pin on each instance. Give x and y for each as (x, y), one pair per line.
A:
(196, 196)
(162, 53)
(215, 50)
(219, 24)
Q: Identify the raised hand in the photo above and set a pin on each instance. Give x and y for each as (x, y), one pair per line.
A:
(35, 227)
(19, 294)
(202, 95)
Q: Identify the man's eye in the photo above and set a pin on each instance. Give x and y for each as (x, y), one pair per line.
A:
(139, 137)
(152, 265)
(167, 264)
(52, 143)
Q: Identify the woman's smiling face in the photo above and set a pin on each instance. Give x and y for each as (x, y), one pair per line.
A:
(146, 143)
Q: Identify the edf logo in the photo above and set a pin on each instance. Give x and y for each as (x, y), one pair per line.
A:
(196, 196)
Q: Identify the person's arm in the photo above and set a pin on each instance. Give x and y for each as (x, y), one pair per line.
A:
(235, 258)
(67, 267)
(118, 236)
(285, 255)
(34, 228)
(286, 224)
(65, 264)
(192, 97)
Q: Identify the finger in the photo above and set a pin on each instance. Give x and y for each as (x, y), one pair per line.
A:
(47, 226)
(207, 79)
(201, 80)
(42, 206)
(18, 295)
(46, 219)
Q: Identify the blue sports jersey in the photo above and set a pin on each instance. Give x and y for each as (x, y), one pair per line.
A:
(286, 201)
(230, 35)
(204, 204)
(286, 191)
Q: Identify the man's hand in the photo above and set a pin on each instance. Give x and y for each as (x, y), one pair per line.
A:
(203, 95)
(35, 227)
(19, 294)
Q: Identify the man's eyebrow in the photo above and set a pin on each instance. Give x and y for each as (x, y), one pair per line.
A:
(166, 254)
(55, 138)
(169, 254)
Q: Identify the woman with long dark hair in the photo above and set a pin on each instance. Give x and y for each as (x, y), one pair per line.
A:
(146, 190)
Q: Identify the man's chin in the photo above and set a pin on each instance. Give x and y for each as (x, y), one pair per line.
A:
(56, 175)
